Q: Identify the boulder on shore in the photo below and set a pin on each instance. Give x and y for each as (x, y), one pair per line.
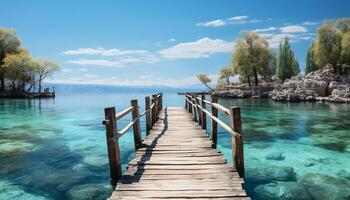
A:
(320, 85)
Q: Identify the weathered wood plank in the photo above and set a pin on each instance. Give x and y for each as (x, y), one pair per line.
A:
(177, 161)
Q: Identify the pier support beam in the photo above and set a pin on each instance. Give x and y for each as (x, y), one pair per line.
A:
(112, 145)
(214, 124)
(136, 125)
(237, 141)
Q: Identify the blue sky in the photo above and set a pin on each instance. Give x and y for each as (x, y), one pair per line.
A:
(145, 43)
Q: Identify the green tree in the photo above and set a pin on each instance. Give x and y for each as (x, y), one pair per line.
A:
(252, 57)
(44, 69)
(343, 25)
(226, 73)
(288, 65)
(310, 61)
(17, 67)
(345, 49)
(203, 78)
(9, 44)
(327, 46)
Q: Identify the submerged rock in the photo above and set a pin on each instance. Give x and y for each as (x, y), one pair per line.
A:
(322, 186)
(275, 156)
(269, 173)
(89, 191)
(282, 191)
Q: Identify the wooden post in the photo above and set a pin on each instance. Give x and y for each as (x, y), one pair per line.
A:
(136, 126)
(186, 102)
(154, 109)
(112, 145)
(161, 102)
(189, 105)
(148, 115)
(194, 108)
(198, 110)
(204, 116)
(214, 125)
(237, 141)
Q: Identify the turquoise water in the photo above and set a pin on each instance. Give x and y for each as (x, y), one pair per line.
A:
(56, 148)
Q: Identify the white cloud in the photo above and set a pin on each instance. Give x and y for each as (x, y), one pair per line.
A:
(275, 39)
(309, 23)
(91, 75)
(238, 18)
(103, 52)
(171, 40)
(96, 62)
(66, 70)
(271, 28)
(214, 23)
(201, 48)
(243, 19)
(293, 29)
(83, 69)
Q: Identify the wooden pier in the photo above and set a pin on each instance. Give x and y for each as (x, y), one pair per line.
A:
(177, 159)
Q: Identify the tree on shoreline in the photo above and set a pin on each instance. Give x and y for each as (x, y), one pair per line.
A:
(288, 65)
(18, 68)
(9, 44)
(44, 69)
(310, 63)
(226, 73)
(252, 58)
(332, 45)
(203, 78)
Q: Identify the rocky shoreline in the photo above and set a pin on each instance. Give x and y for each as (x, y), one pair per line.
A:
(320, 85)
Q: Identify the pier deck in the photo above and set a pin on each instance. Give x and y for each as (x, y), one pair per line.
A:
(177, 160)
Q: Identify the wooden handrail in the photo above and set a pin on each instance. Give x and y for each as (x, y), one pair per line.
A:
(112, 134)
(221, 108)
(121, 114)
(197, 105)
(221, 123)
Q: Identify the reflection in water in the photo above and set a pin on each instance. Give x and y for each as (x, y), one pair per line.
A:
(55, 149)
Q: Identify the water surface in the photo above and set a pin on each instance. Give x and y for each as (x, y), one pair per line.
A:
(56, 148)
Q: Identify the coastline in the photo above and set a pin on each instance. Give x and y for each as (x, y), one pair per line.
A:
(30, 95)
(322, 85)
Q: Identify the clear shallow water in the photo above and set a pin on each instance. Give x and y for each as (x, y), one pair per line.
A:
(56, 149)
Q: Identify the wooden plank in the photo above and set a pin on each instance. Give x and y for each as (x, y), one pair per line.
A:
(177, 161)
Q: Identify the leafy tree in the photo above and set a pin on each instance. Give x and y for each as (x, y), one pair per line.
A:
(345, 46)
(327, 46)
(203, 78)
(288, 65)
(17, 67)
(226, 73)
(310, 61)
(343, 25)
(252, 57)
(222, 82)
(9, 44)
(44, 69)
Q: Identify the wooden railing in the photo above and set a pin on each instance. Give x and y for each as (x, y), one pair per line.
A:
(152, 108)
(197, 106)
